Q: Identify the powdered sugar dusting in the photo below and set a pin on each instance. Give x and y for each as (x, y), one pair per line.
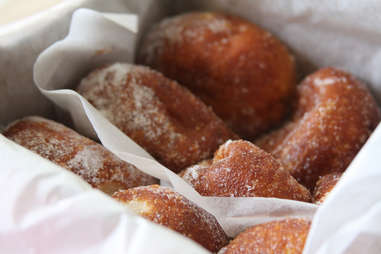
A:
(281, 236)
(118, 73)
(173, 210)
(142, 103)
(147, 116)
(336, 114)
(89, 160)
(324, 82)
(183, 27)
(50, 147)
(139, 206)
(240, 169)
(72, 151)
(191, 173)
(123, 90)
(218, 25)
(194, 174)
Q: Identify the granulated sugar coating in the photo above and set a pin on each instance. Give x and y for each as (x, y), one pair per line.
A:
(335, 116)
(240, 169)
(167, 120)
(324, 186)
(191, 173)
(243, 72)
(82, 156)
(281, 237)
(168, 208)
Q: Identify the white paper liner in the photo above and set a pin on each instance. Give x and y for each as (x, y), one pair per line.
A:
(343, 34)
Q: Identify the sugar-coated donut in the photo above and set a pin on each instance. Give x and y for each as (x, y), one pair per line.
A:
(245, 73)
(281, 237)
(335, 116)
(241, 169)
(324, 186)
(82, 156)
(167, 120)
(168, 208)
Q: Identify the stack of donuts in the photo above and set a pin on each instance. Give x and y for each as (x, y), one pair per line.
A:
(215, 99)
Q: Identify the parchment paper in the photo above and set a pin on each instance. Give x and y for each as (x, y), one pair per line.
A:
(341, 34)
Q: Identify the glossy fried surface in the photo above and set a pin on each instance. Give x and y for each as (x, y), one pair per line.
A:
(285, 236)
(82, 156)
(335, 116)
(241, 169)
(164, 118)
(168, 208)
(324, 186)
(245, 73)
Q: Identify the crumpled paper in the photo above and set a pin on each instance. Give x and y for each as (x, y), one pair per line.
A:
(345, 35)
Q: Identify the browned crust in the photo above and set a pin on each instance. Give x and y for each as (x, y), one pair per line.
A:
(82, 156)
(324, 186)
(245, 73)
(240, 169)
(164, 118)
(335, 116)
(168, 208)
(285, 236)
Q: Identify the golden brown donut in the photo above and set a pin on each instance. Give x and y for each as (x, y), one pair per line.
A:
(168, 208)
(82, 156)
(324, 186)
(167, 120)
(285, 236)
(241, 169)
(245, 73)
(335, 116)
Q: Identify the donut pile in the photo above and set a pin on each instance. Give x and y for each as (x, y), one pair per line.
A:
(215, 99)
